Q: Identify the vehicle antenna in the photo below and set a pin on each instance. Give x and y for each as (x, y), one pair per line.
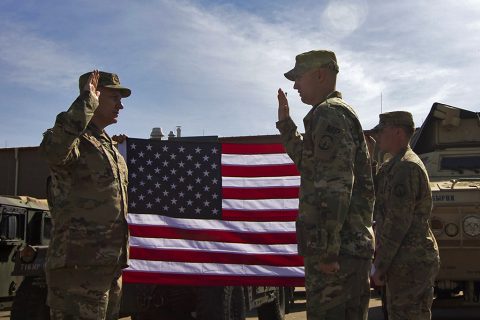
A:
(381, 102)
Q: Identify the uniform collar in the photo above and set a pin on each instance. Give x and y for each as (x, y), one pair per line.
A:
(333, 94)
(94, 129)
(97, 133)
(402, 152)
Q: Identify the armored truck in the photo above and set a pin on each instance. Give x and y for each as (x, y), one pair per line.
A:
(25, 224)
(449, 145)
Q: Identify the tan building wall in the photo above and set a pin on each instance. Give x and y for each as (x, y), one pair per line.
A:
(22, 172)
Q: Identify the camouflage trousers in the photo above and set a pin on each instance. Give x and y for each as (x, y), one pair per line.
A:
(409, 289)
(84, 293)
(340, 296)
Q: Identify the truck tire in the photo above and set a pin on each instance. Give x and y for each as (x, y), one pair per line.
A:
(274, 310)
(30, 300)
(221, 303)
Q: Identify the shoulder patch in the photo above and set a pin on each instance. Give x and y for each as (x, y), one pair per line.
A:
(326, 142)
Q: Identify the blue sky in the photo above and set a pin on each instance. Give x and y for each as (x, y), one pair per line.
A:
(213, 67)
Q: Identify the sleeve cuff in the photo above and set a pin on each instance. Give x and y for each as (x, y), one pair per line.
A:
(285, 125)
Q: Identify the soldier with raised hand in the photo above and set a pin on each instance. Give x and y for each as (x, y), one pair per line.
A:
(407, 258)
(334, 224)
(88, 202)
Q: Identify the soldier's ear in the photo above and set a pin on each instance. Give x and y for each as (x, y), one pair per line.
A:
(321, 73)
(399, 131)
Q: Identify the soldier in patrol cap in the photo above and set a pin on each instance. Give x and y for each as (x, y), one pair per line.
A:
(334, 224)
(407, 258)
(88, 202)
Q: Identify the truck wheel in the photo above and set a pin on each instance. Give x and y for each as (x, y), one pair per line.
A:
(221, 303)
(274, 310)
(30, 300)
(289, 298)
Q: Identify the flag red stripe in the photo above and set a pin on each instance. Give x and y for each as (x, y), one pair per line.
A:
(257, 215)
(215, 257)
(259, 171)
(149, 231)
(240, 148)
(260, 193)
(209, 280)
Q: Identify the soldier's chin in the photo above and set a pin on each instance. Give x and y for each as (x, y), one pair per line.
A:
(304, 100)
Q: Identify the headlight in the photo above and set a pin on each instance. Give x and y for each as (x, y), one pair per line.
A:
(451, 229)
(27, 254)
(471, 226)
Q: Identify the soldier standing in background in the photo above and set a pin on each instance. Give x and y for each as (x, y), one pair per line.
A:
(407, 258)
(334, 225)
(89, 244)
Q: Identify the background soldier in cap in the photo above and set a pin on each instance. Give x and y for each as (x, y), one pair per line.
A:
(89, 244)
(334, 231)
(407, 256)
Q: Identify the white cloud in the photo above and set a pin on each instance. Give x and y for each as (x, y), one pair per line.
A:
(36, 62)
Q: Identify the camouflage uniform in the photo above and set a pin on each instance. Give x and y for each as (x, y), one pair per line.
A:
(335, 211)
(89, 244)
(407, 253)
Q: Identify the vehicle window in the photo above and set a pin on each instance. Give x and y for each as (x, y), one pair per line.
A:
(34, 228)
(461, 163)
(11, 227)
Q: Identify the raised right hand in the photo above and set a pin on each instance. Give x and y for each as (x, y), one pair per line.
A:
(283, 109)
(92, 84)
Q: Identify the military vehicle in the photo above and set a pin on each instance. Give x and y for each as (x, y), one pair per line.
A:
(449, 145)
(25, 224)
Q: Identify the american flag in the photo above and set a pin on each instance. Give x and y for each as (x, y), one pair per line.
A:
(210, 213)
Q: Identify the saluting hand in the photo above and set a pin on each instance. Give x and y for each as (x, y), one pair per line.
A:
(283, 109)
(92, 84)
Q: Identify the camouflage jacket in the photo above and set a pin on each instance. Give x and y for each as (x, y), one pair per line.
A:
(88, 191)
(336, 191)
(402, 212)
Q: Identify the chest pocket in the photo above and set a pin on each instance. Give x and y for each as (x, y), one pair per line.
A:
(94, 164)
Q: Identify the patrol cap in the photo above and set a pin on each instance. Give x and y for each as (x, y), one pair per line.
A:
(395, 118)
(106, 80)
(312, 59)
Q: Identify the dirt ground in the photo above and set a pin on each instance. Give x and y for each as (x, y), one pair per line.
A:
(297, 311)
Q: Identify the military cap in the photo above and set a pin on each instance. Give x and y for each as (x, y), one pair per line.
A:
(395, 118)
(312, 59)
(106, 80)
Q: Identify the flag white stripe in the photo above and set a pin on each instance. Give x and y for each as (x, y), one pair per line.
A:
(261, 182)
(256, 159)
(213, 246)
(265, 204)
(213, 269)
(203, 224)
